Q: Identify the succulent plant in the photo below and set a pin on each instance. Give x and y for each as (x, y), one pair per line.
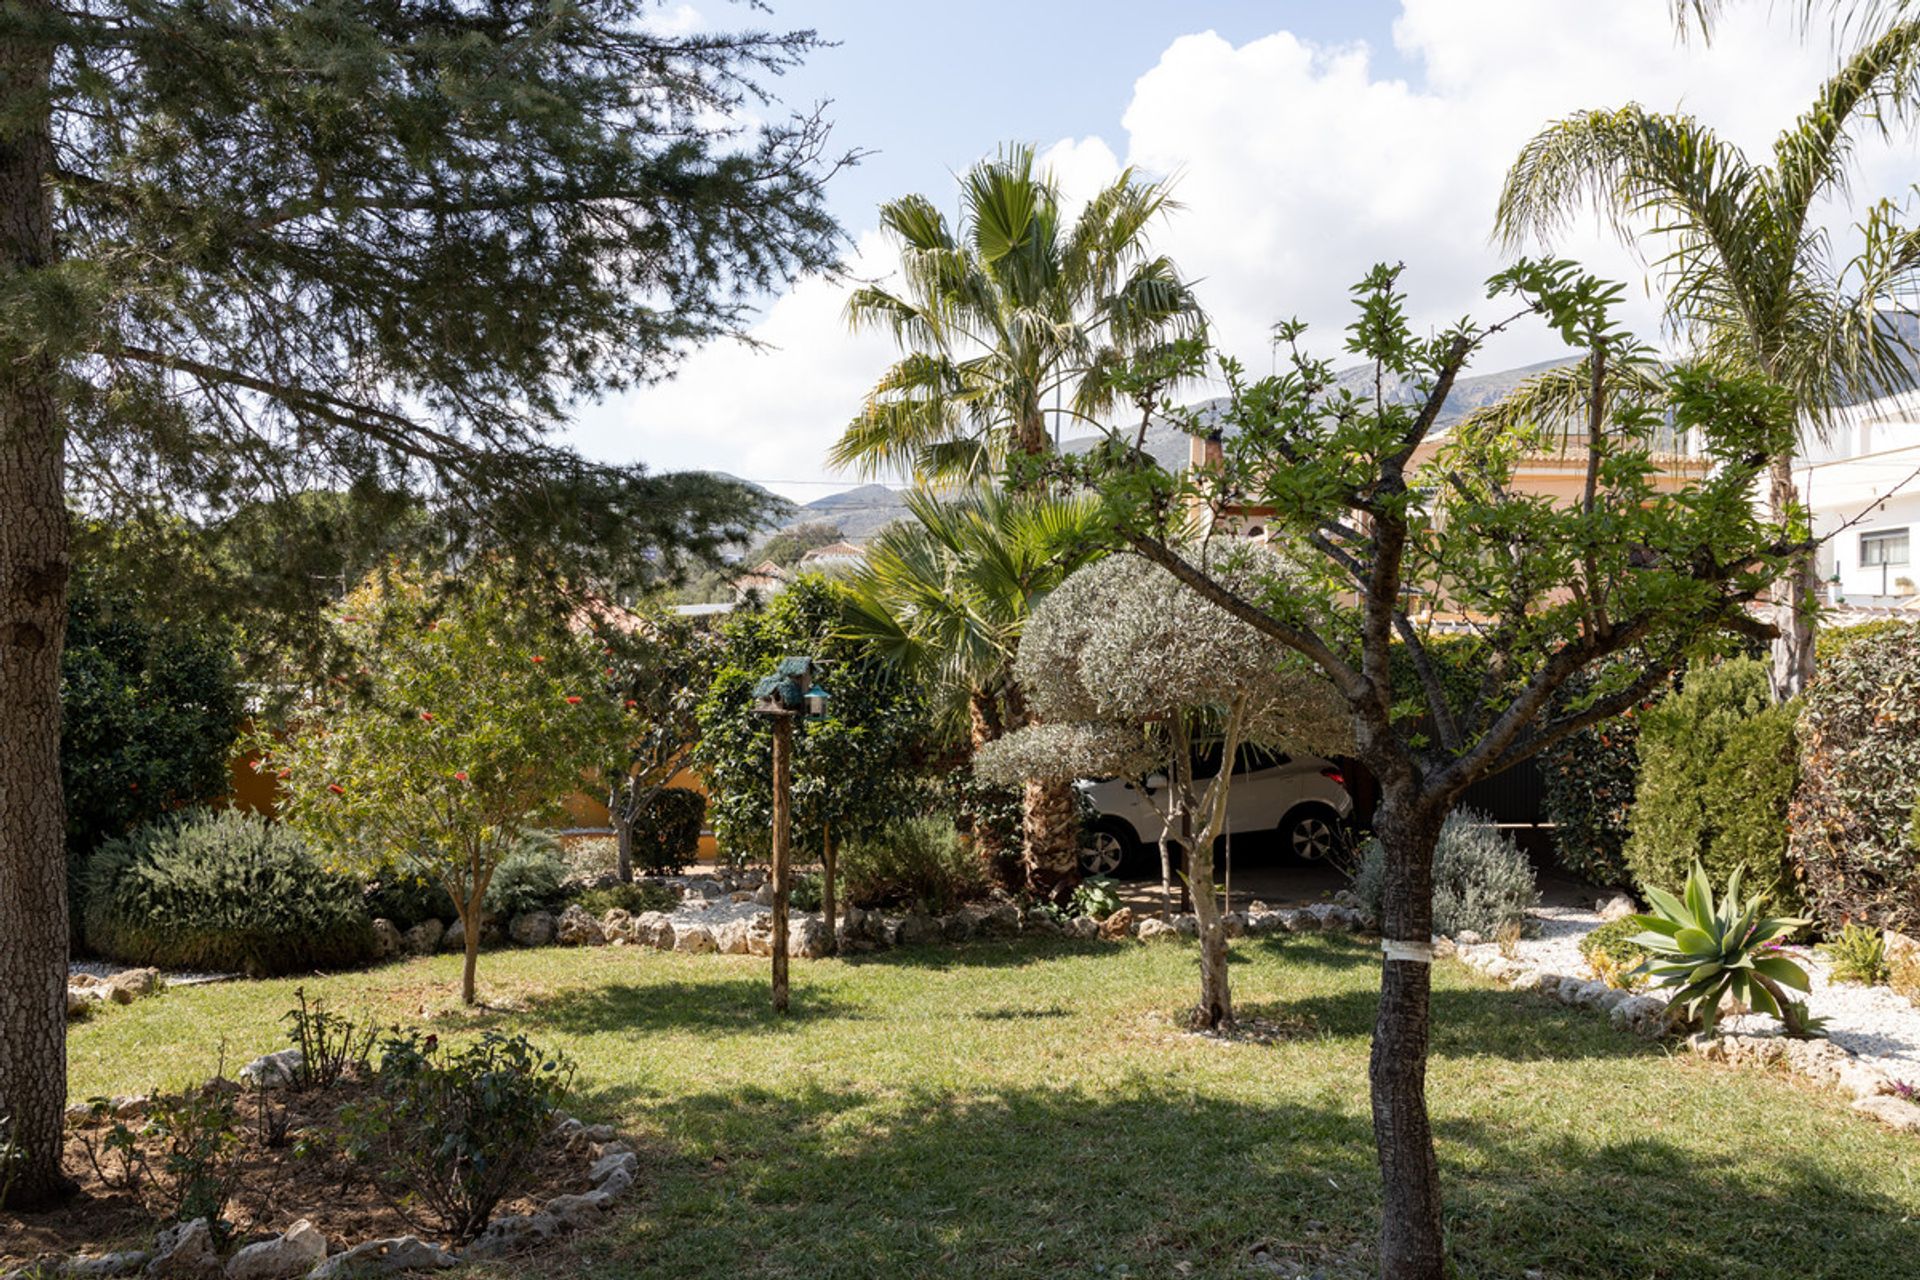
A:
(1706, 951)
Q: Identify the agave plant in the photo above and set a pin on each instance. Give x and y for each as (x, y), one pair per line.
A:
(1707, 951)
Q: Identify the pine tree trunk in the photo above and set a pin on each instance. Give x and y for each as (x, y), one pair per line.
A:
(34, 565)
(829, 857)
(1791, 667)
(1411, 1245)
(470, 970)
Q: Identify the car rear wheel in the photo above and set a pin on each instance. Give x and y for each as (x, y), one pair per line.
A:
(1312, 834)
(1107, 850)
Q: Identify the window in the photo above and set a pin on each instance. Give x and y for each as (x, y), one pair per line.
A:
(1885, 546)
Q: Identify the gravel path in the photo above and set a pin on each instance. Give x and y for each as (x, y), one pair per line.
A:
(1873, 1022)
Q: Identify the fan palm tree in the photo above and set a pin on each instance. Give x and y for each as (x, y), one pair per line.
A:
(1751, 282)
(1013, 325)
(947, 594)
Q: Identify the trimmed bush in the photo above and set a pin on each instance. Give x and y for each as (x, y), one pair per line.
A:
(530, 878)
(666, 836)
(918, 860)
(1481, 879)
(406, 899)
(224, 891)
(1614, 955)
(1588, 783)
(1856, 810)
(1717, 769)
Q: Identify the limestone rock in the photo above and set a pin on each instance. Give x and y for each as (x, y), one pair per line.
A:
(578, 929)
(532, 929)
(185, 1252)
(124, 1263)
(1117, 925)
(653, 929)
(1235, 924)
(1151, 930)
(270, 1070)
(1896, 1113)
(760, 934)
(957, 927)
(1188, 926)
(510, 1234)
(130, 984)
(384, 1257)
(695, 939)
(295, 1253)
(1617, 907)
(914, 930)
(1083, 927)
(807, 937)
(388, 941)
(423, 938)
(763, 896)
(730, 938)
(579, 1210)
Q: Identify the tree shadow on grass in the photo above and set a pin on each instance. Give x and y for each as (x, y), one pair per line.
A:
(729, 1006)
(980, 953)
(1148, 1175)
(1481, 1022)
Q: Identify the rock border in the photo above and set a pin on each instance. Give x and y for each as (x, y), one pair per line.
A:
(1820, 1062)
(186, 1250)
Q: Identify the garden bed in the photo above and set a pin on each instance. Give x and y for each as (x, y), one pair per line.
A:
(300, 1172)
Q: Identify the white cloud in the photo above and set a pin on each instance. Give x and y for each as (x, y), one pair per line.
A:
(1298, 166)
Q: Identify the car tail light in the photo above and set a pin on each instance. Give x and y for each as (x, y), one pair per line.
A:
(1334, 776)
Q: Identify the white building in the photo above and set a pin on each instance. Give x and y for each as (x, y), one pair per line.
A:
(1863, 486)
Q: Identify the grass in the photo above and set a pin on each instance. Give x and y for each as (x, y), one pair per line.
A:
(1029, 1108)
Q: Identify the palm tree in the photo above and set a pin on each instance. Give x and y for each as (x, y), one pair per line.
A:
(1751, 282)
(1017, 323)
(947, 595)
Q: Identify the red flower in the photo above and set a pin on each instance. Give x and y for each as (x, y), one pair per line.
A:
(538, 658)
(573, 699)
(349, 618)
(336, 788)
(609, 670)
(426, 715)
(286, 773)
(461, 776)
(133, 786)
(631, 704)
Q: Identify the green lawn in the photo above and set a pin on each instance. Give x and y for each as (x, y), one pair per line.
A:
(1027, 1108)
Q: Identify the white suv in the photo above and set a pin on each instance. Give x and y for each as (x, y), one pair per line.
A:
(1303, 798)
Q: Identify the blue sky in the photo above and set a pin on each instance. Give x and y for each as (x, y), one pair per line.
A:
(1306, 142)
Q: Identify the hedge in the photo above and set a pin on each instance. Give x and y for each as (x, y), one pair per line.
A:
(1856, 813)
(224, 891)
(666, 835)
(1717, 769)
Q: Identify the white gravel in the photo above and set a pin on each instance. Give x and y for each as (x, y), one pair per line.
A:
(182, 978)
(1879, 1025)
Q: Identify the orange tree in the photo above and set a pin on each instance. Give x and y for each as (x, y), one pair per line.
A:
(467, 719)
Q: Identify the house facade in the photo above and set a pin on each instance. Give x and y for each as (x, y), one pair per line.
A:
(1862, 484)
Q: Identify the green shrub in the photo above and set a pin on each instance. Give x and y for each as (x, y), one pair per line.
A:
(532, 877)
(407, 898)
(1704, 951)
(225, 891)
(1613, 953)
(148, 714)
(1481, 880)
(1858, 953)
(666, 835)
(1855, 830)
(455, 1130)
(1587, 789)
(1717, 770)
(806, 893)
(631, 898)
(1095, 897)
(916, 861)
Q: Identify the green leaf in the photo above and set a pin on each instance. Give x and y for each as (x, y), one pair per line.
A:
(1783, 971)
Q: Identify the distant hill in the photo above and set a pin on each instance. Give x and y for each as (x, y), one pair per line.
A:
(860, 512)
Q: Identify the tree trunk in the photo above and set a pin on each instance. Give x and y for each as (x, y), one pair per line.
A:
(1053, 836)
(470, 968)
(621, 809)
(1791, 667)
(1411, 1246)
(34, 564)
(782, 833)
(829, 856)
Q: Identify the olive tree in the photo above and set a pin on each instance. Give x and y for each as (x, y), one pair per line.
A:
(468, 720)
(1397, 522)
(1129, 670)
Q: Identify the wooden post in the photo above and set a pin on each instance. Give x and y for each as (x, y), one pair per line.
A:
(782, 833)
(826, 888)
